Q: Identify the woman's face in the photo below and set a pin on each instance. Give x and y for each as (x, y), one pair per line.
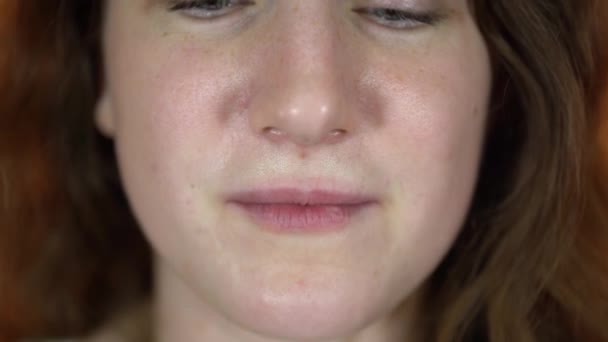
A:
(227, 118)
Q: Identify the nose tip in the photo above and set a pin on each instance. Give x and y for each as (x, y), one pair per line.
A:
(307, 121)
(305, 109)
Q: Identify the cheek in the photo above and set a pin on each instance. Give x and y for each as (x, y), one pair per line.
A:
(431, 144)
(176, 104)
(436, 107)
(171, 111)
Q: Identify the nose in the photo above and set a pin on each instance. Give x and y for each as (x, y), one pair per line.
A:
(306, 111)
(302, 97)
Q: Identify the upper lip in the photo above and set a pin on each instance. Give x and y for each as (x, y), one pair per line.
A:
(294, 195)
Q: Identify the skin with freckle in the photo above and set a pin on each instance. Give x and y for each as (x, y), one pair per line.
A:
(188, 104)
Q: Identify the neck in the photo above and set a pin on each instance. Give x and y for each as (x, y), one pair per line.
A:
(180, 314)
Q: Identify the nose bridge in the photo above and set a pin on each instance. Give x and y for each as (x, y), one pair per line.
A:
(304, 92)
(309, 70)
(310, 44)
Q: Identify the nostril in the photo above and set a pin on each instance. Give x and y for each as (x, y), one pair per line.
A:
(273, 131)
(278, 135)
(336, 135)
(274, 134)
(337, 132)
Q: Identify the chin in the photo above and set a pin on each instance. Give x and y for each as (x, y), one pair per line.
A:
(308, 310)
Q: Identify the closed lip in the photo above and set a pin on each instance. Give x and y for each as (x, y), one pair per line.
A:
(295, 195)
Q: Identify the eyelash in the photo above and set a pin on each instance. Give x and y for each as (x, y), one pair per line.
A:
(206, 9)
(389, 17)
(398, 19)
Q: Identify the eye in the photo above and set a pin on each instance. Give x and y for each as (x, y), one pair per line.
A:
(208, 9)
(398, 19)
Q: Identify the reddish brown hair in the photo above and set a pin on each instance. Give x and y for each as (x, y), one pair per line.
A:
(593, 239)
(522, 270)
(69, 246)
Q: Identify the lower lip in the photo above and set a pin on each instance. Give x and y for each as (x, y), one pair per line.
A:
(299, 218)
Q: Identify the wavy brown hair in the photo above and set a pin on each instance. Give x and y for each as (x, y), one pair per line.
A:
(523, 269)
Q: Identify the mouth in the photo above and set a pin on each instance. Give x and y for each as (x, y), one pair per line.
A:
(285, 210)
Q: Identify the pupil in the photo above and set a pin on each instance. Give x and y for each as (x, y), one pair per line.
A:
(391, 14)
